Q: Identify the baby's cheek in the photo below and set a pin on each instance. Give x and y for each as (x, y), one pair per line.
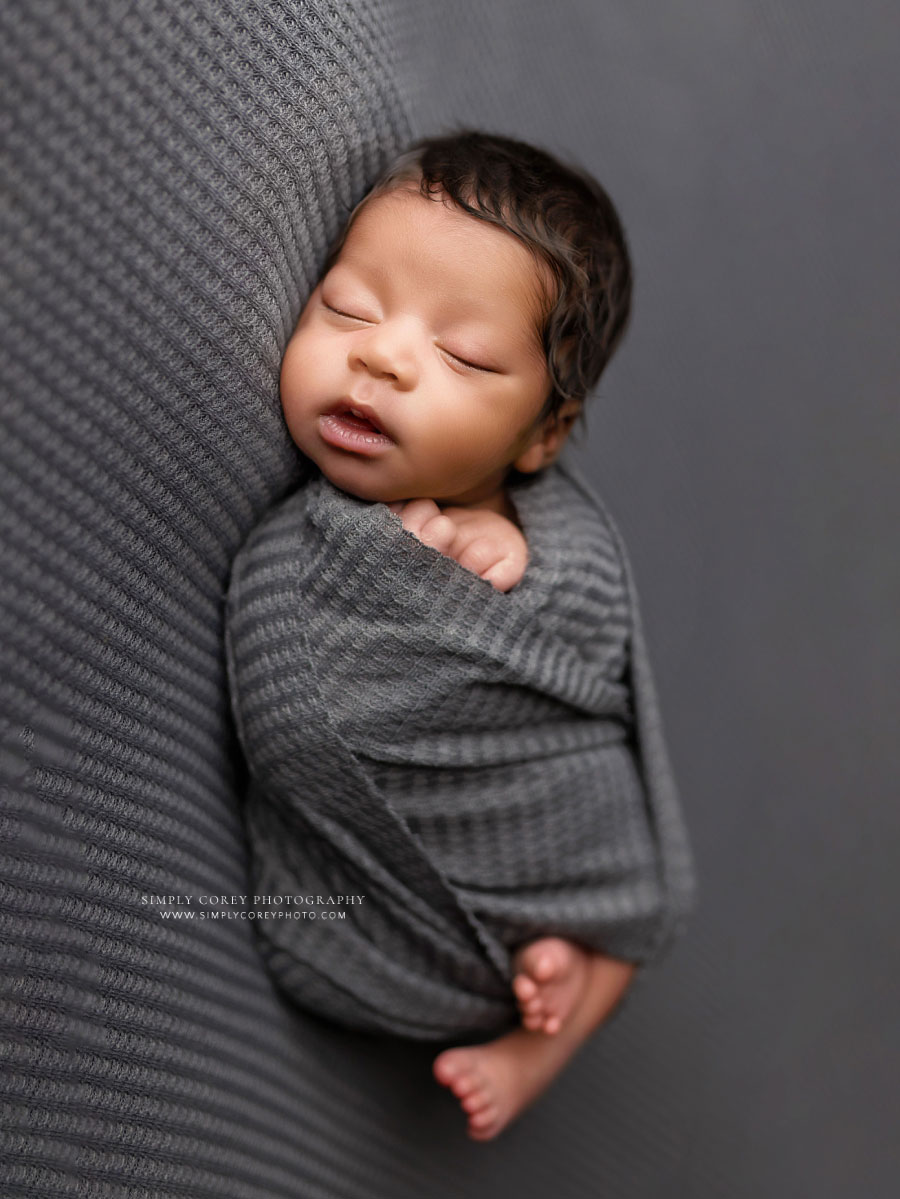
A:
(305, 370)
(298, 407)
(291, 365)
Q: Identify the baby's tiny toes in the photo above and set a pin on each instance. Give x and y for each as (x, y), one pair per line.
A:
(475, 1102)
(525, 987)
(545, 967)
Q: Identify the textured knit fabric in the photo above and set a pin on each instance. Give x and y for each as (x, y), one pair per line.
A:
(481, 768)
(172, 175)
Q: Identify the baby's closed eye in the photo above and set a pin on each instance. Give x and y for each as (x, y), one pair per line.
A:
(469, 364)
(345, 313)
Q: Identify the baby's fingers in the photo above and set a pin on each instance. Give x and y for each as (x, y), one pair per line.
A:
(499, 567)
(414, 513)
(423, 518)
(439, 532)
(505, 574)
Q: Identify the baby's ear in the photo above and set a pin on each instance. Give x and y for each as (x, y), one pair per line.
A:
(547, 443)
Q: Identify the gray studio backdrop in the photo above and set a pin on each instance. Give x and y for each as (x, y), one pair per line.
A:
(747, 440)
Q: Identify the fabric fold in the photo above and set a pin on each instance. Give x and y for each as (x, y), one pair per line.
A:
(483, 767)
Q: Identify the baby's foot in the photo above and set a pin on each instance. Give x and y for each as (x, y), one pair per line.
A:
(550, 978)
(490, 1082)
(495, 1082)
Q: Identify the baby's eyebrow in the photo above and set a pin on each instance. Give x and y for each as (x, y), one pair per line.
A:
(368, 272)
(339, 268)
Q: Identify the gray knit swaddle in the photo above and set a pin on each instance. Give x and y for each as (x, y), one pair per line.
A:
(483, 768)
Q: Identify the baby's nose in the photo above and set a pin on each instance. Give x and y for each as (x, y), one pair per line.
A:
(388, 351)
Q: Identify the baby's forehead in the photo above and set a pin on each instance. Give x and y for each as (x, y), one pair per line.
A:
(444, 235)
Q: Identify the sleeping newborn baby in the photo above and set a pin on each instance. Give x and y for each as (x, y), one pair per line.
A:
(437, 666)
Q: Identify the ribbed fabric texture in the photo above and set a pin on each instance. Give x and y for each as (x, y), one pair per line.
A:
(172, 176)
(482, 768)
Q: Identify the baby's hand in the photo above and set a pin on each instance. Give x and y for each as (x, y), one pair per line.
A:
(484, 542)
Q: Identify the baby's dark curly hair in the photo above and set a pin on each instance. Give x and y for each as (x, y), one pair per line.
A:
(564, 217)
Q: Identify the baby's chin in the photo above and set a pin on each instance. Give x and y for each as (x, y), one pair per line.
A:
(374, 491)
(374, 482)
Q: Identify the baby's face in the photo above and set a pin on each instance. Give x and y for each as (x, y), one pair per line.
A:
(415, 368)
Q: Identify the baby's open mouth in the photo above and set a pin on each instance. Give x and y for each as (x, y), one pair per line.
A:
(356, 418)
(354, 427)
(358, 415)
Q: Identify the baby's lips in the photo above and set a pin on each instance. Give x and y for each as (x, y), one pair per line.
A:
(358, 410)
(357, 436)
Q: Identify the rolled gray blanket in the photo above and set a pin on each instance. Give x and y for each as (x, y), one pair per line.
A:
(480, 768)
